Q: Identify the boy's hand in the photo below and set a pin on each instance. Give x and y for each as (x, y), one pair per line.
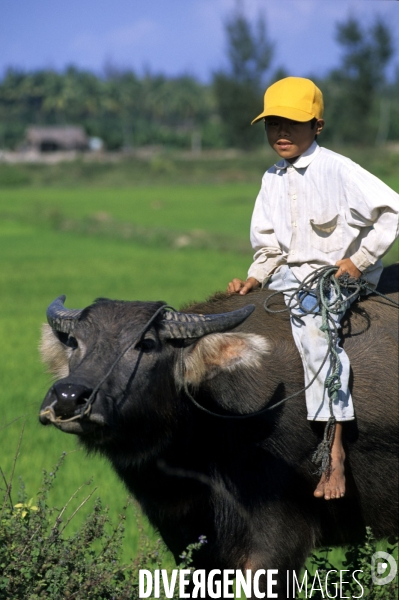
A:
(347, 266)
(243, 287)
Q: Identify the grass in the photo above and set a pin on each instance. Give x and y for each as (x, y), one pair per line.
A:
(223, 209)
(40, 262)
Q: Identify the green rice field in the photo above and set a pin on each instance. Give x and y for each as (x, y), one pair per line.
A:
(73, 241)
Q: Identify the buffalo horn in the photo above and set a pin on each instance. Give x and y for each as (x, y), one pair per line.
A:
(183, 325)
(61, 318)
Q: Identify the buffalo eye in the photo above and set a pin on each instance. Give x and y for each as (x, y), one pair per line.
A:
(146, 345)
(71, 342)
(67, 340)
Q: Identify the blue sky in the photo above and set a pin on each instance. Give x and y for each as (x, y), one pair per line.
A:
(174, 36)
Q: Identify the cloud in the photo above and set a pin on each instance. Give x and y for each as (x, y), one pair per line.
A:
(144, 31)
(141, 37)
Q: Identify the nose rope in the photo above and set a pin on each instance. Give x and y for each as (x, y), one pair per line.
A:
(49, 411)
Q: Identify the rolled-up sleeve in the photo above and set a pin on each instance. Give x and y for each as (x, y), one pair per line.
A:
(378, 206)
(268, 253)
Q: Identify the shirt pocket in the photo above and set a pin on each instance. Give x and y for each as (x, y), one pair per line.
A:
(326, 237)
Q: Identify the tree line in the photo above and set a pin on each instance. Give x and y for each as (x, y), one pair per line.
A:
(127, 110)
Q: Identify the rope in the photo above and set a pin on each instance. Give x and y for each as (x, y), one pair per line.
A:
(304, 289)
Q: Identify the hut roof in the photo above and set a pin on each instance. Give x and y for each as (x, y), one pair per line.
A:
(69, 137)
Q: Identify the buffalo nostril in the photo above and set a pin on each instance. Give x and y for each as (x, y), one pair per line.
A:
(70, 397)
(74, 393)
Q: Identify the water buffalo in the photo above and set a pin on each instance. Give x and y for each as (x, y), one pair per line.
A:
(246, 484)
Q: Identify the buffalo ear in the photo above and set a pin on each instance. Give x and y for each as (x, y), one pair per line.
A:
(54, 353)
(219, 352)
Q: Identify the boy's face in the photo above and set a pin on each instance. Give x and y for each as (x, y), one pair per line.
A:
(289, 138)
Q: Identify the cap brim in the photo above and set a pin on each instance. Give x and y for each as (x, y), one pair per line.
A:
(286, 112)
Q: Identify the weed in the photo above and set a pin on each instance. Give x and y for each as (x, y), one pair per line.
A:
(37, 560)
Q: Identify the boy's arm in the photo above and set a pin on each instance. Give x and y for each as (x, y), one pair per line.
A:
(268, 252)
(376, 206)
(267, 249)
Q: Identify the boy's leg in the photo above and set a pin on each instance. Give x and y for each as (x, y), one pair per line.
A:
(312, 345)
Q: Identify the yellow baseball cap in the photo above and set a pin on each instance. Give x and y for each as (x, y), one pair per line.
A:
(294, 98)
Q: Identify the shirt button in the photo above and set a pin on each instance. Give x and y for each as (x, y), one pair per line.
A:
(294, 197)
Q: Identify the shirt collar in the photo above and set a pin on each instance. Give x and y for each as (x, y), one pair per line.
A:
(303, 160)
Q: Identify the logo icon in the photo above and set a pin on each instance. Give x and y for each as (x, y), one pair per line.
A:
(383, 568)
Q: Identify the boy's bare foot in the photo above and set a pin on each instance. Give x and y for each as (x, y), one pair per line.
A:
(333, 486)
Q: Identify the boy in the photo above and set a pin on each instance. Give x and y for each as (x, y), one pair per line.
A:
(315, 208)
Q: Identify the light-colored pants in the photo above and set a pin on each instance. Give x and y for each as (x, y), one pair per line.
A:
(312, 345)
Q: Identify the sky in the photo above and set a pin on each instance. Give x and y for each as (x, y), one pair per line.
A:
(175, 36)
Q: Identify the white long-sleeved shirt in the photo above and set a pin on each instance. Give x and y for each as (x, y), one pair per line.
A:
(319, 210)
